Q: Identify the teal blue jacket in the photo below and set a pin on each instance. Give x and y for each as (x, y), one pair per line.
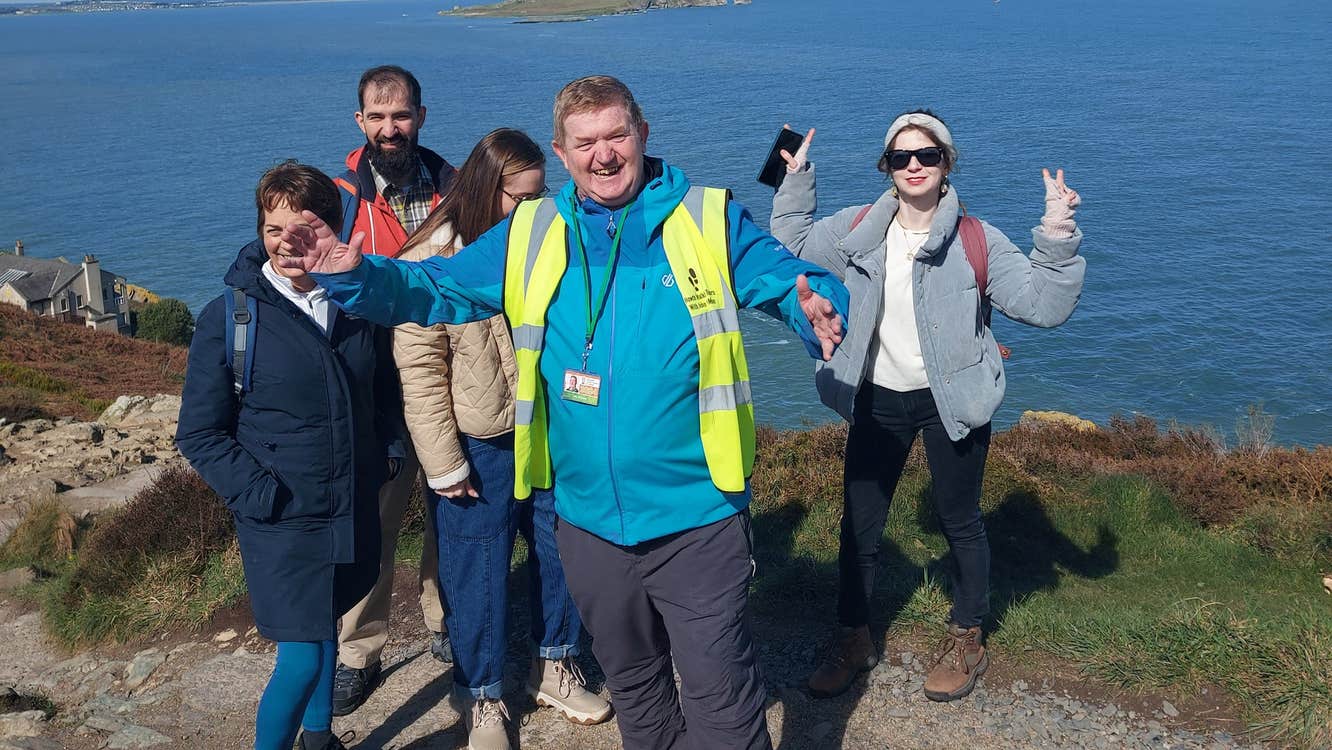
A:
(631, 468)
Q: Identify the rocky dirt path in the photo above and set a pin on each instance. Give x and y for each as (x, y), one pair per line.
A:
(200, 691)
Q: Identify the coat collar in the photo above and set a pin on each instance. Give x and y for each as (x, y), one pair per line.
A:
(864, 242)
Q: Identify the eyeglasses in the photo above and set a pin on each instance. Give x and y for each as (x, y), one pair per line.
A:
(542, 193)
(928, 157)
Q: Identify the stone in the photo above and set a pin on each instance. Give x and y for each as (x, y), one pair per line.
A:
(16, 578)
(1169, 709)
(103, 723)
(225, 684)
(141, 667)
(22, 724)
(136, 737)
(225, 636)
(1063, 419)
(898, 713)
(137, 410)
(31, 743)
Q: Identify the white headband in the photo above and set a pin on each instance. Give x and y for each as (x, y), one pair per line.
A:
(926, 122)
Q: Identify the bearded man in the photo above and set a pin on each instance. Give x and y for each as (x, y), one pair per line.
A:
(389, 188)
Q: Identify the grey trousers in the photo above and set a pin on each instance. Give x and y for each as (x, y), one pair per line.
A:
(682, 596)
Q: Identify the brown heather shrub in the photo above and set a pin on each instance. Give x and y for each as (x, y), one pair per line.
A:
(77, 370)
(177, 515)
(1280, 499)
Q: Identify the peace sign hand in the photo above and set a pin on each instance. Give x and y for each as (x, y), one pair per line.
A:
(1060, 200)
(796, 162)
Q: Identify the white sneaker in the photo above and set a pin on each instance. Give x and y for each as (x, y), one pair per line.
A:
(487, 727)
(560, 684)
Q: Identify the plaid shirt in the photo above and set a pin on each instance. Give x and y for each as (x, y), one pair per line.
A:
(410, 204)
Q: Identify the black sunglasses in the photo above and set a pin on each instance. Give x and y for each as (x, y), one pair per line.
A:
(928, 157)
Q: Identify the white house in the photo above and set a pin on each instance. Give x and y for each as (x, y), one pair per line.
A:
(59, 289)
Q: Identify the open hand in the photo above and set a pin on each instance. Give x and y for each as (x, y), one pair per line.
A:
(315, 247)
(796, 162)
(827, 323)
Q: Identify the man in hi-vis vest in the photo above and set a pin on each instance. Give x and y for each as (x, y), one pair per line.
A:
(633, 399)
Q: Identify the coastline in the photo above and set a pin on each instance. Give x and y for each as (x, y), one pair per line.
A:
(558, 11)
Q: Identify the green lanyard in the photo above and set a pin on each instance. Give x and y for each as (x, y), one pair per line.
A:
(594, 313)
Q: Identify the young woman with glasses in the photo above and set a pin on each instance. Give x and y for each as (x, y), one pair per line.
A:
(919, 358)
(458, 386)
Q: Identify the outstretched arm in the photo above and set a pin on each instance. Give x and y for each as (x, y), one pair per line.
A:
(460, 289)
(767, 276)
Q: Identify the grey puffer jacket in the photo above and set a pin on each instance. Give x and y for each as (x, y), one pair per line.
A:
(962, 360)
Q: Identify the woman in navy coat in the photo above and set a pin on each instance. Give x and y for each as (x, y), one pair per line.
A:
(298, 455)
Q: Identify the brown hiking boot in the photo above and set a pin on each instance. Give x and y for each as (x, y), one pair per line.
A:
(961, 662)
(849, 654)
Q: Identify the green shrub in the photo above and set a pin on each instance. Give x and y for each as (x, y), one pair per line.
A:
(168, 320)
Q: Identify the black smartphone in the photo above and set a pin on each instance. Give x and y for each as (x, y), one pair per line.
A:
(774, 169)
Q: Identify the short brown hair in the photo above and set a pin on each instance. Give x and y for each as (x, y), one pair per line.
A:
(302, 188)
(591, 94)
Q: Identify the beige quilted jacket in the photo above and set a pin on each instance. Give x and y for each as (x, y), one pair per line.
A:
(455, 379)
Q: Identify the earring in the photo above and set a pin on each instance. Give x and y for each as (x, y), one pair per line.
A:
(943, 189)
(893, 191)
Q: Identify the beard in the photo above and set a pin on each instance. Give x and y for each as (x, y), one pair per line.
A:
(399, 165)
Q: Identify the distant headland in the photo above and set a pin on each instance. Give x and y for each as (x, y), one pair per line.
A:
(576, 10)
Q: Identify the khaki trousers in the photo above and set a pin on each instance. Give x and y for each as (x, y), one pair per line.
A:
(364, 629)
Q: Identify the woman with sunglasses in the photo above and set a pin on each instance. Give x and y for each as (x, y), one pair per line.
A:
(919, 358)
(458, 386)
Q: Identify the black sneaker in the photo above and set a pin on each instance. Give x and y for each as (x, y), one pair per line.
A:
(441, 648)
(352, 686)
(325, 740)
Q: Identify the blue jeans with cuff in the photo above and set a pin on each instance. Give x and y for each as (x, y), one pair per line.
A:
(476, 536)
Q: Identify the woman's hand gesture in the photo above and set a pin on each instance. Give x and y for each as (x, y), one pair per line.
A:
(1060, 200)
(315, 247)
(796, 162)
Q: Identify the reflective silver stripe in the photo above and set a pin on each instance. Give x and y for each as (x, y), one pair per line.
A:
(723, 397)
(529, 336)
(522, 412)
(693, 203)
(545, 216)
(713, 322)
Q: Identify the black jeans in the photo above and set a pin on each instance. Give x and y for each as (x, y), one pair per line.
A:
(886, 423)
(679, 599)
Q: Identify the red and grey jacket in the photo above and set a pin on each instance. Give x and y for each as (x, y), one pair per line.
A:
(365, 210)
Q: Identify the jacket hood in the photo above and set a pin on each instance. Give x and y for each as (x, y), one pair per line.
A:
(663, 190)
(247, 271)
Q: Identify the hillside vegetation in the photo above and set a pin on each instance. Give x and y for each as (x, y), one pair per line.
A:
(54, 369)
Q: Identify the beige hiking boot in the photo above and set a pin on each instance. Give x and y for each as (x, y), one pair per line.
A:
(487, 727)
(962, 660)
(850, 653)
(560, 684)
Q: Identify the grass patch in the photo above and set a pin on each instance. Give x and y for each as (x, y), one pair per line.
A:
(44, 540)
(1100, 566)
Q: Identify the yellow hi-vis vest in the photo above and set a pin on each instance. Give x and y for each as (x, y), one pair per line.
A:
(697, 247)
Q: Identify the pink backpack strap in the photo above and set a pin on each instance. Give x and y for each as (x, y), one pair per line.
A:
(861, 216)
(978, 251)
(978, 255)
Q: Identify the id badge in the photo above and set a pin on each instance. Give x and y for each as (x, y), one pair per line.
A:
(581, 387)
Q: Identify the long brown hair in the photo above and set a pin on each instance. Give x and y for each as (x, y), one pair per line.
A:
(472, 203)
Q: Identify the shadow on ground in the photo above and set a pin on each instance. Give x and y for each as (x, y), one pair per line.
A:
(795, 597)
